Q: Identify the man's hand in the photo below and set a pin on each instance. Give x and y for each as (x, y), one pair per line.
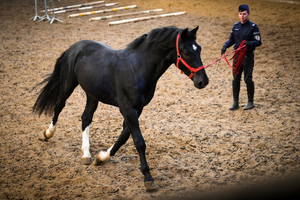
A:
(247, 43)
(223, 50)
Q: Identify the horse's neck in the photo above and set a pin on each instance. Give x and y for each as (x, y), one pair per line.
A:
(162, 60)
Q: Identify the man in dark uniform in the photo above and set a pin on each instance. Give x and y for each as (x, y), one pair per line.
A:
(244, 30)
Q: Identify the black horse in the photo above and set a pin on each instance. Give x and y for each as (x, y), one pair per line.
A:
(124, 78)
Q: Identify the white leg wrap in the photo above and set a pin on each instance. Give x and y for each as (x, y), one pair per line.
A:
(50, 131)
(104, 155)
(86, 142)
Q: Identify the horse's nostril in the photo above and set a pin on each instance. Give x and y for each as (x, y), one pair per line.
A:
(202, 84)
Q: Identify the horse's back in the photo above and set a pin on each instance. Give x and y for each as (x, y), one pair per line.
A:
(94, 64)
(86, 47)
(87, 53)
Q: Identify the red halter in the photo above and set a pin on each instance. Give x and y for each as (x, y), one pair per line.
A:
(179, 58)
(239, 53)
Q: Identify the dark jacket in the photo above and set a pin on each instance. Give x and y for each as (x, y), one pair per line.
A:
(247, 31)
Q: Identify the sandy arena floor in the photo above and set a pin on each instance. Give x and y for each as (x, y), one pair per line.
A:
(194, 143)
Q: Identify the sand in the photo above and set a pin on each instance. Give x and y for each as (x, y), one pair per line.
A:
(194, 143)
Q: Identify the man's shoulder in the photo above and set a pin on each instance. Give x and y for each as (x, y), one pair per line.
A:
(252, 24)
(238, 23)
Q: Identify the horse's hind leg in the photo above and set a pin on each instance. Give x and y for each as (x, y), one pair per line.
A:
(49, 132)
(87, 116)
(104, 155)
(125, 134)
(65, 92)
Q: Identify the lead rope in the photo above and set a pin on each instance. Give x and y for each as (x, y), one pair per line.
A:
(240, 53)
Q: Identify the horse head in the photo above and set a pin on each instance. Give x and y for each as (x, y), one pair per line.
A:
(188, 57)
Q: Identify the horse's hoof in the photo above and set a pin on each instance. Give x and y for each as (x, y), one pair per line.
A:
(150, 186)
(98, 161)
(43, 136)
(86, 160)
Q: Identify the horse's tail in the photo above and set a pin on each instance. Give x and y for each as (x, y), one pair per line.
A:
(49, 94)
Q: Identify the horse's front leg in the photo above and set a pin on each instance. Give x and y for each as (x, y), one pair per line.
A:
(131, 126)
(131, 121)
(140, 145)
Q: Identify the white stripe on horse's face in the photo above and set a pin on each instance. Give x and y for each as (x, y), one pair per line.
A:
(194, 47)
(86, 142)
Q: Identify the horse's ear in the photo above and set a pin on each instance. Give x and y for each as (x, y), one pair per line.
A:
(194, 31)
(184, 34)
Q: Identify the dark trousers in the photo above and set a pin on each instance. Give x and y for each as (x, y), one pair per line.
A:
(247, 68)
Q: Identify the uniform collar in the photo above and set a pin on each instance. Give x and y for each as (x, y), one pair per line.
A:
(247, 22)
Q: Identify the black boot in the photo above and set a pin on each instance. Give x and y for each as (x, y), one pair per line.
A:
(250, 92)
(236, 91)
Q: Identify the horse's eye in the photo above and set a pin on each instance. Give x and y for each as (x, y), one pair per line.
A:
(185, 53)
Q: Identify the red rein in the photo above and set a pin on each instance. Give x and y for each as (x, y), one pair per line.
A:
(240, 52)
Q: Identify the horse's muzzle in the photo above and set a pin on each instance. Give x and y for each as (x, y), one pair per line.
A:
(200, 79)
(201, 84)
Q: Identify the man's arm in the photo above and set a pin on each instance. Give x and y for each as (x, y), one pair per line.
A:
(228, 43)
(231, 40)
(256, 39)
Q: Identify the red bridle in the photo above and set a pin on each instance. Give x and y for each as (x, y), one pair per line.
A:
(179, 58)
(240, 53)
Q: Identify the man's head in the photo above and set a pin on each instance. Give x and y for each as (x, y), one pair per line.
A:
(244, 13)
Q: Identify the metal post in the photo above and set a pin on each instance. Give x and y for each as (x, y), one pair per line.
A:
(53, 14)
(36, 13)
(46, 16)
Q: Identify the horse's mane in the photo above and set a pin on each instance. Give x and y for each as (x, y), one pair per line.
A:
(160, 35)
(135, 43)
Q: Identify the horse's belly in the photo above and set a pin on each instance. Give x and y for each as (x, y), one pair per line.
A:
(102, 94)
(97, 84)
